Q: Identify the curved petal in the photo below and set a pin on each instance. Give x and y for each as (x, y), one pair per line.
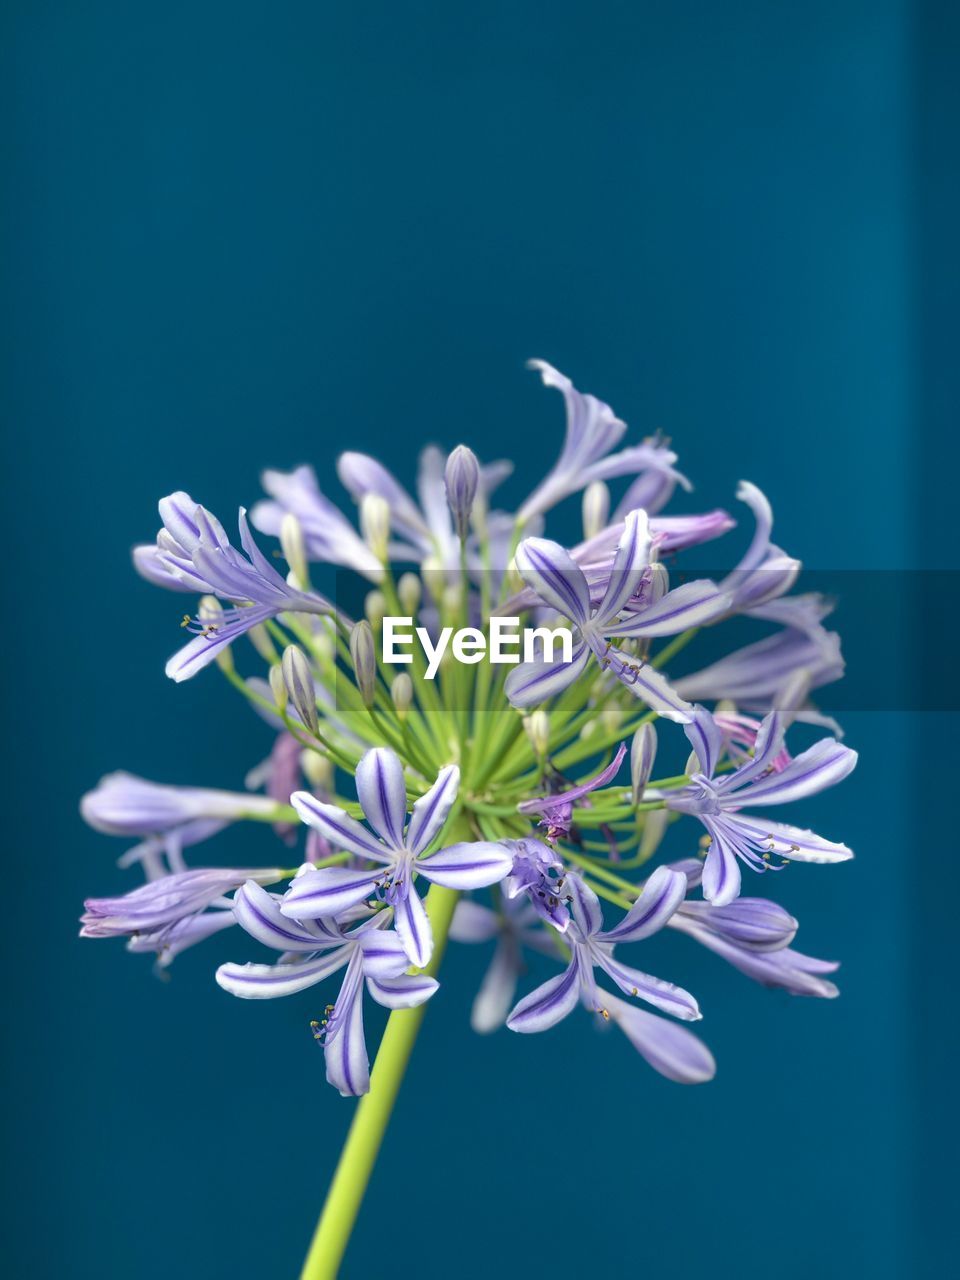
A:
(345, 1050)
(793, 843)
(413, 925)
(754, 923)
(670, 1049)
(823, 765)
(661, 896)
(644, 682)
(258, 912)
(473, 922)
(432, 810)
(383, 794)
(721, 871)
(555, 576)
(584, 904)
(383, 954)
(403, 992)
(498, 988)
(326, 892)
(692, 605)
(548, 1004)
(662, 995)
(705, 736)
(533, 682)
(266, 981)
(472, 865)
(632, 558)
(338, 827)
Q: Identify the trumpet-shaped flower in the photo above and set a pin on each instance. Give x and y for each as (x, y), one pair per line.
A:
(312, 951)
(718, 801)
(397, 850)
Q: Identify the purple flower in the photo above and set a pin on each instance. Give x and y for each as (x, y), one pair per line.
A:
(399, 854)
(672, 1050)
(167, 943)
(122, 804)
(765, 572)
(591, 946)
(549, 570)
(328, 535)
(753, 935)
(717, 802)
(592, 432)
(538, 875)
(557, 810)
(312, 951)
(162, 903)
(515, 927)
(193, 553)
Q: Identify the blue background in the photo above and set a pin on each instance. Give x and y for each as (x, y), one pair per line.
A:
(244, 235)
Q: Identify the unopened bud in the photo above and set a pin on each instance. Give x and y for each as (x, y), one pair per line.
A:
(260, 639)
(298, 678)
(294, 551)
(409, 590)
(317, 770)
(537, 728)
(375, 525)
(659, 582)
(402, 693)
(643, 753)
(375, 608)
(596, 508)
(462, 478)
(514, 580)
(363, 653)
(654, 826)
(278, 687)
(611, 718)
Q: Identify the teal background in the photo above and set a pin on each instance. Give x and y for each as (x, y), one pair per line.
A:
(244, 235)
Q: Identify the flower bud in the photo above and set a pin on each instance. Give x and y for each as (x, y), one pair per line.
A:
(402, 693)
(294, 551)
(596, 508)
(611, 718)
(259, 637)
(298, 678)
(654, 827)
(375, 524)
(317, 770)
(659, 582)
(462, 478)
(364, 656)
(278, 687)
(375, 608)
(537, 728)
(409, 590)
(643, 752)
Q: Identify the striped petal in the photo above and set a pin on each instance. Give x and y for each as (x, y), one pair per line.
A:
(258, 912)
(823, 765)
(661, 896)
(267, 981)
(644, 682)
(432, 810)
(632, 558)
(403, 992)
(662, 995)
(555, 576)
(706, 738)
(338, 827)
(413, 925)
(383, 954)
(326, 892)
(472, 865)
(793, 843)
(548, 1004)
(533, 682)
(670, 1049)
(345, 1050)
(721, 870)
(692, 605)
(383, 794)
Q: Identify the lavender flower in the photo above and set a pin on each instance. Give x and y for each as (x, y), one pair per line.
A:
(162, 903)
(400, 855)
(551, 572)
(592, 946)
(671, 1050)
(124, 805)
(312, 951)
(556, 811)
(193, 553)
(717, 802)
(537, 874)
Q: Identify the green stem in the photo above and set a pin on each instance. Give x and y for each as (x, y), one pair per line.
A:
(360, 1150)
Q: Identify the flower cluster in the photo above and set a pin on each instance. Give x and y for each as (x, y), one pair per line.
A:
(491, 804)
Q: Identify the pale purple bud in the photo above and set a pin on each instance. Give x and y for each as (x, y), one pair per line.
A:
(363, 653)
(596, 508)
(298, 679)
(643, 753)
(462, 480)
(402, 693)
(410, 591)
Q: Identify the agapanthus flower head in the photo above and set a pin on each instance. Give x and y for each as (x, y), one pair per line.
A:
(454, 760)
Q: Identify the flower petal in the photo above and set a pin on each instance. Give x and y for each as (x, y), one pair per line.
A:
(793, 843)
(471, 865)
(662, 995)
(584, 904)
(432, 810)
(413, 925)
(325, 892)
(403, 992)
(706, 738)
(691, 605)
(498, 988)
(548, 1004)
(555, 576)
(266, 981)
(661, 896)
(383, 794)
(632, 558)
(823, 765)
(721, 871)
(383, 953)
(338, 827)
(473, 922)
(258, 912)
(670, 1049)
(345, 1049)
(533, 682)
